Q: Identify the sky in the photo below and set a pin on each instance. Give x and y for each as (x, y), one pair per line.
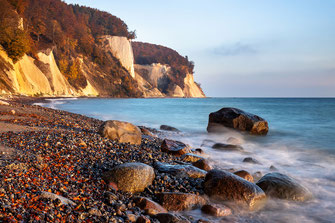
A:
(258, 48)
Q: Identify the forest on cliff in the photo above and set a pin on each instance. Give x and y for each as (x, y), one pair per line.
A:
(72, 32)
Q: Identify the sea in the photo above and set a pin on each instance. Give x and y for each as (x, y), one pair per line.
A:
(300, 142)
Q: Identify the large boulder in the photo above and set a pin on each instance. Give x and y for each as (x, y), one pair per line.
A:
(180, 170)
(174, 147)
(283, 187)
(224, 186)
(180, 201)
(237, 119)
(122, 132)
(131, 177)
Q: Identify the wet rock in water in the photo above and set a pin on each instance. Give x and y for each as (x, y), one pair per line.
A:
(283, 187)
(251, 160)
(189, 157)
(122, 132)
(227, 147)
(174, 147)
(273, 168)
(147, 204)
(169, 128)
(146, 131)
(233, 140)
(198, 151)
(53, 196)
(237, 119)
(180, 170)
(225, 186)
(131, 177)
(245, 175)
(171, 218)
(216, 210)
(203, 164)
(180, 201)
(207, 143)
(143, 219)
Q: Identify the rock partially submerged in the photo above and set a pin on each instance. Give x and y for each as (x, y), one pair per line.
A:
(251, 160)
(216, 210)
(131, 177)
(174, 147)
(180, 201)
(227, 147)
(169, 128)
(224, 186)
(180, 170)
(281, 186)
(122, 132)
(237, 119)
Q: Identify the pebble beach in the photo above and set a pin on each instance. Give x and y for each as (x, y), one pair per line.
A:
(47, 153)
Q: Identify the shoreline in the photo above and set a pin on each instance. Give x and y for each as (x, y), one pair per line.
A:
(54, 151)
(50, 152)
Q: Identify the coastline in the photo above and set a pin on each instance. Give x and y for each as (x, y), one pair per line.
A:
(64, 143)
(47, 150)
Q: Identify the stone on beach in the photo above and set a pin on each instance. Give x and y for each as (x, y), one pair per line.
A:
(175, 147)
(131, 177)
(224, 186)
(53, 196)
(171, 218)
(145, 131)
(245, 175)
(281, 186)
(237, 119)
(180, 201)
(147, 204)
(189, 157)
(122, 132)
(180, 170)
(203, 164)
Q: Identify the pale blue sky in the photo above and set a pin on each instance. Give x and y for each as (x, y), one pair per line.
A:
(249, 48)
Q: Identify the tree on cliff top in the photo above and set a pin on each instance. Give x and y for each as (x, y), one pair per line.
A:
(13, 39)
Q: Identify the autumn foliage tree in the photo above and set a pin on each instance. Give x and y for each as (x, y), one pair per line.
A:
(13, 38)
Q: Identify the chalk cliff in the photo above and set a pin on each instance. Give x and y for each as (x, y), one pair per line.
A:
(121, 48)
(159, 76)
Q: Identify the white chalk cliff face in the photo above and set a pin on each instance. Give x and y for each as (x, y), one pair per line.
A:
(42, 77)
(121, 48)
(39, 77)
(156, 74)
(191, 89)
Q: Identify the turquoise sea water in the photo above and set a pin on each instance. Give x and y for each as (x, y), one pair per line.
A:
(300, 142)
